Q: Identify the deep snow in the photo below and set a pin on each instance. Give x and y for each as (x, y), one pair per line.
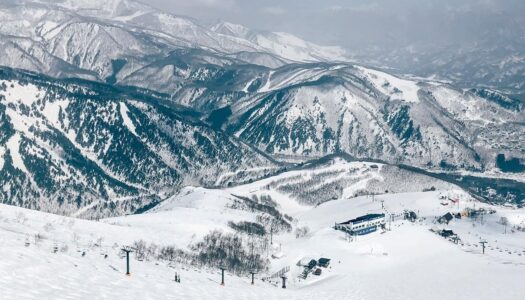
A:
(408, 262)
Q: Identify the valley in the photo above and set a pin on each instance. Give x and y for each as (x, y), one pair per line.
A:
(209, 148)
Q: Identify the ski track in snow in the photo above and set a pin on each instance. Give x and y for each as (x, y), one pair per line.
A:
(2, 160)
(388, 84)
(125, 117)
(13, 144)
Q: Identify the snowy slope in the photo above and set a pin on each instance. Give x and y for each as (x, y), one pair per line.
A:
(85, 149)
(406, 262)
(335, 179)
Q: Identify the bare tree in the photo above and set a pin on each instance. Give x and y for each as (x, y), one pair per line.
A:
(38, 237)
(504, 221)
(48, 227)
(21, 218)
(301, 232)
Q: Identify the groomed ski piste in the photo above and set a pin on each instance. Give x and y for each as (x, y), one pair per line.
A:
(45, 256)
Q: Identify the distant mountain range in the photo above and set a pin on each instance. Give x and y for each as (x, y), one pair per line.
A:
(493, 62)
(85, 38)
(124, 104)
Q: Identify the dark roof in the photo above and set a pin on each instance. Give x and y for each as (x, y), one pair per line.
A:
(364, 218)
(447, 232)
(448, 216)
(323, 260)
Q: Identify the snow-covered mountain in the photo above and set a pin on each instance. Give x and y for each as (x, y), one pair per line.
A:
(283, 44)
(86, 149)
(258, 93)
(314, 110)
(318, 108)
(323, 108)
(495, 60)
(84, 38)
(120, 9)
(225, 146)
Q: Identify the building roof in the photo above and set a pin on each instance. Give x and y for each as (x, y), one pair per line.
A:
(305, 261)
(323, 260)
(448, 216)
(447, 232)
(364, 218)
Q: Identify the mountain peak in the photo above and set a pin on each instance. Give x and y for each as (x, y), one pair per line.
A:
(231, 29)
(106, 8)
(284, 44)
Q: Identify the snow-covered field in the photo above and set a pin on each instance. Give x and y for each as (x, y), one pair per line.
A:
(406, 262)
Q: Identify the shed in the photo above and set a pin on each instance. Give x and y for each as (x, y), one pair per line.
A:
(445, 218)
(447, 233)
(312, 264)
(324, 262)
(411, 216)
(305, 261)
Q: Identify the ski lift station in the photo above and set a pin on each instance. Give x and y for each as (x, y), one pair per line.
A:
(362, 225)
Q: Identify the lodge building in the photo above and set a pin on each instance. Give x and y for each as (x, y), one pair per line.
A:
(362, 225)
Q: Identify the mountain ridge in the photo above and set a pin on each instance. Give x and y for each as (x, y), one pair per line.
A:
(89, 146)
(223, 102)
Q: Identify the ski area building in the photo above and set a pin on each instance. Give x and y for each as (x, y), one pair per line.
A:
(362, 225)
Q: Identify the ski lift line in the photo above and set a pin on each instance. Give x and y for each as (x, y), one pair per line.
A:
(279, 273)
(45, 238)
(78, 245)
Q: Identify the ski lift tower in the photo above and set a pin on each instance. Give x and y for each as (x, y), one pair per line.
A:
(223, 268)
(283, 277)
(127, 250)
(483, 242)
(253, 272)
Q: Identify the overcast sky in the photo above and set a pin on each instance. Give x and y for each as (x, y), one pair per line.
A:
(358, 24)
